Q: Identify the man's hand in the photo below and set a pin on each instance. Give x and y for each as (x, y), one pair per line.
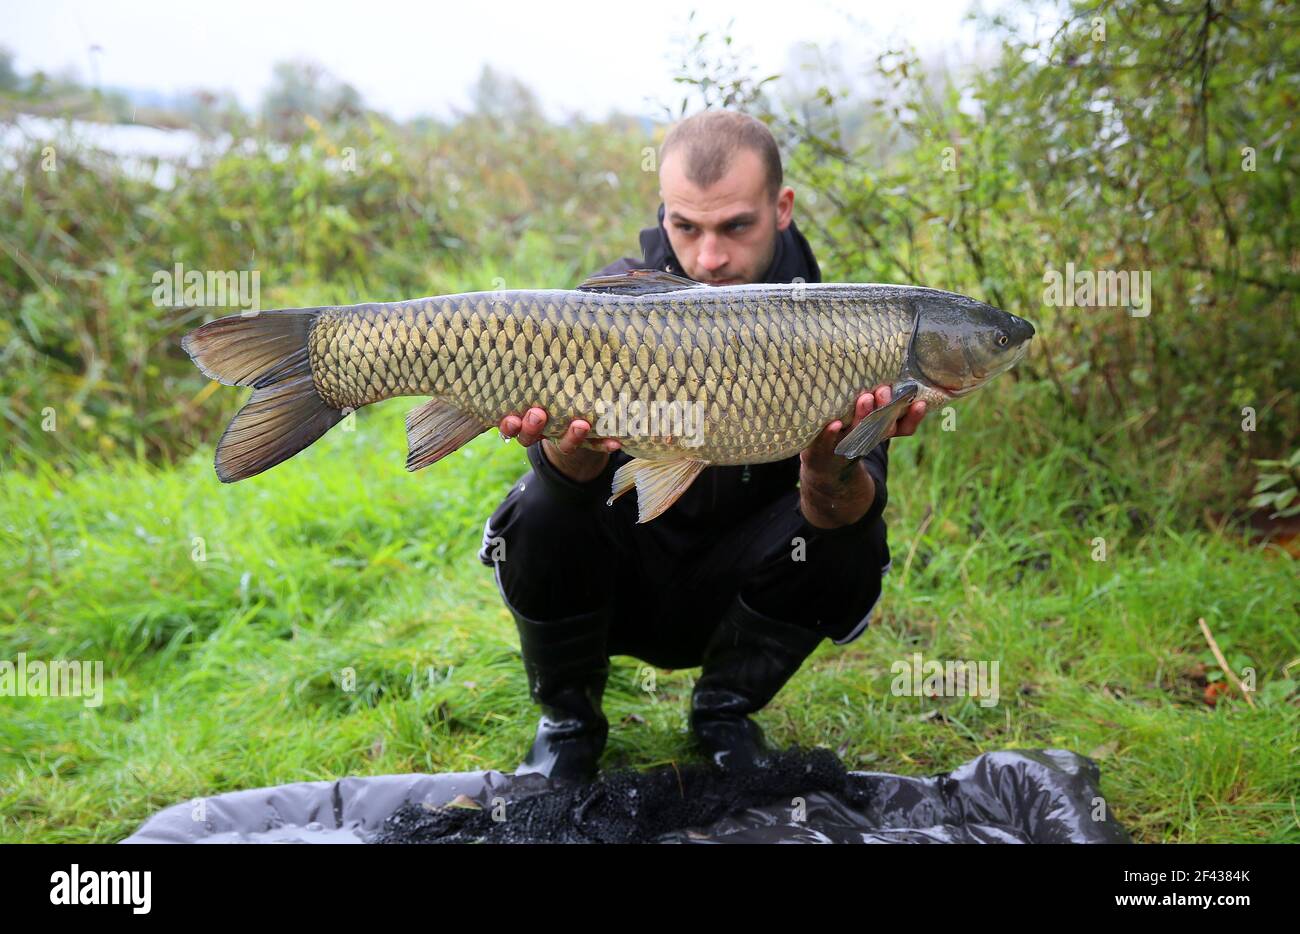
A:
(573, 455)
(835, 490)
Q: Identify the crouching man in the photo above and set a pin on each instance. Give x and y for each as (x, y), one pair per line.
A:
(752, 567)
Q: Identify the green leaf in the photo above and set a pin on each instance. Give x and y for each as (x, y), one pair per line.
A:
(1276, 692)
(1264, 481)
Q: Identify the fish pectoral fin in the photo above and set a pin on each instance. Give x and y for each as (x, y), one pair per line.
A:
(871, 429)
(658, 483)
(435, 429)
(638, 282)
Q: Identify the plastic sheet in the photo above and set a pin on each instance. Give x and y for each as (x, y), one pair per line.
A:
(1012, 796)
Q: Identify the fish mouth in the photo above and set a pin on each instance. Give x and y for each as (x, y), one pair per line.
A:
(1020, 351)
(982, 376)
(965, 390)
(1008, 363)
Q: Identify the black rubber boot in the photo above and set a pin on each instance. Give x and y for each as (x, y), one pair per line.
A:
(567, 666)
(748, 659)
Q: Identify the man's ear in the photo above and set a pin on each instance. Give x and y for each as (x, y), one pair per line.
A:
(784, 208)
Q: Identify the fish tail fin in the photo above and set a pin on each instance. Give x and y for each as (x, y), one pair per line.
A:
(267, 351)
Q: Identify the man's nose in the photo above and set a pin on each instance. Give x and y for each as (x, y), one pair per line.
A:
(711, 257)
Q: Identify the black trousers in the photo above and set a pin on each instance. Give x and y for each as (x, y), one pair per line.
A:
(555, 558)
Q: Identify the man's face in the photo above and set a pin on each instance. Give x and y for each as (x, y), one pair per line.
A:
(724, 234)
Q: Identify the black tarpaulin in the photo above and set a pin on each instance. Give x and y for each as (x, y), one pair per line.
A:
(1011, 796)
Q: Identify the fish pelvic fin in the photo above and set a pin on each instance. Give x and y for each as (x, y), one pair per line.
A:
(435, 429)
(658, 483)
(871, 429)
(267, 351)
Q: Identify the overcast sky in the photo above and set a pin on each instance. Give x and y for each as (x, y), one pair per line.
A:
(408, 58)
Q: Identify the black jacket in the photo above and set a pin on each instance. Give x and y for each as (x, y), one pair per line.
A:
(724, 495)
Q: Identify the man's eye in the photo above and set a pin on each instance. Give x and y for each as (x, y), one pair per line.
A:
(738, 225)
(684, 227)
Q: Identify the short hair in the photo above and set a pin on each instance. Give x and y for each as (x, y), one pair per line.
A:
(711, 140)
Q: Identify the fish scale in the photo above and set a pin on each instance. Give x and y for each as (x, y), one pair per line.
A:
(768, 372)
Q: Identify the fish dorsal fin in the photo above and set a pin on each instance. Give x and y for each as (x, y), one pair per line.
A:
(638, 282)
(658, 483)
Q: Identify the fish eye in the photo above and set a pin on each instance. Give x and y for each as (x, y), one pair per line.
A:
(1002, 339)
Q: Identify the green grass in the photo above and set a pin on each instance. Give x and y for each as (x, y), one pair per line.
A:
(225, 673)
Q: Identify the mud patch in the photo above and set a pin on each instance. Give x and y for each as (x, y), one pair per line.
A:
(628, 806)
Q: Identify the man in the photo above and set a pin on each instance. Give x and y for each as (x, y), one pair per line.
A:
(746, 573)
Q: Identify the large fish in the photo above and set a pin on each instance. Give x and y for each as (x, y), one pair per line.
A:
(684, 375)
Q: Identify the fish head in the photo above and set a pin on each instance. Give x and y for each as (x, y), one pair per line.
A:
(959, 344)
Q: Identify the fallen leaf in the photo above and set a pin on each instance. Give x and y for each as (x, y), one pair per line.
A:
(1214, 690)
(1105, 750)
